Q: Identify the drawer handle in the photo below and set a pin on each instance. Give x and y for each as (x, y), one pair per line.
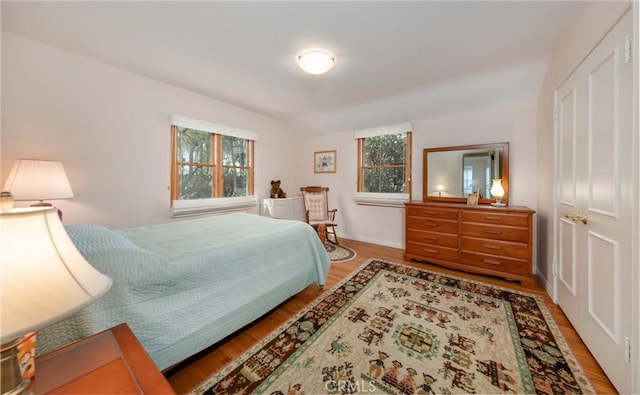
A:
(432, 224)
(431, 212)
(491, 262)
(492, 218)
(431, 251)
(492, 247)
(431, 238)
(493, 232)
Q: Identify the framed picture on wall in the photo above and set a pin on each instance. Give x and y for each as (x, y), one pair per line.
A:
(324, 162)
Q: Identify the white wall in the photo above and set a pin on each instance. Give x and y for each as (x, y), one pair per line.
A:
(383, 225)
(591, 24)
(110, 129)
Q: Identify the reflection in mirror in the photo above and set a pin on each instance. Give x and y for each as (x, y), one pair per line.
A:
(451, 173)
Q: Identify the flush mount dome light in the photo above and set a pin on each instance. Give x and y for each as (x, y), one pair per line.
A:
(316, 61)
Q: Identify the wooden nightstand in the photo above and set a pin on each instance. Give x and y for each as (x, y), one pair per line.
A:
(109, 362)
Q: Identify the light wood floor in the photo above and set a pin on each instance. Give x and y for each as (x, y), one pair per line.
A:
(192, 372)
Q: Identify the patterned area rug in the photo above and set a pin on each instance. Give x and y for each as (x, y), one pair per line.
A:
(391, 328)
(339, 253)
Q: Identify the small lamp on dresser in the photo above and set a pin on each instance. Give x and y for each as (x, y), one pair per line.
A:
(44, 279)
(38, 180)
(497, 192)
(439, 189)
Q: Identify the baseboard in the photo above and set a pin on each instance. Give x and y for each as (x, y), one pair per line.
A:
(384, 243)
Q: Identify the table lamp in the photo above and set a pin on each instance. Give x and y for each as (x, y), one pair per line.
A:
(497, 192)
(39, 180)
(439, 189)
(44, 279)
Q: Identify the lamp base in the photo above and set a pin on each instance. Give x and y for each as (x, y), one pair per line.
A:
(12, 381)
(498, 204)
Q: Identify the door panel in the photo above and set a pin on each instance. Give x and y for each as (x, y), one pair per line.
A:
(567, 132)
(603, 265)
(594, 161)
(568, 269)
(567, 284)
(569, 252)
(604, 175)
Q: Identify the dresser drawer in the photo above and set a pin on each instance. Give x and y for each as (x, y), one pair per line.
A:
(283, 208)
(495, 217)
(508, 233)
(495, 247)
(432, 212)
(440, 239)
(432, 251)
(497, 263)
(435, 225)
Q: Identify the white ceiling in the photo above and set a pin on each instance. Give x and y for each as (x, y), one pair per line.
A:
(396, 61)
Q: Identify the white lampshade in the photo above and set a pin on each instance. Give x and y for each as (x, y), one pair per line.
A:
(316, 61)
(497, 191)
(44, 277)
(38, 180)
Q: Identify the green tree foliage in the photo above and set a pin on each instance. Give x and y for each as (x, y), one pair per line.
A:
(234, 153)
(195, 151)
(194, 148)
(384, 163)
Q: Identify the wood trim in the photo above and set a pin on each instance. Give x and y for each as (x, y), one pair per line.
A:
(250, 171)
(407, 166)
(504, 172)
(408, 161)
(173, 188)
(360, 164)
(217, 190)
(218, 169)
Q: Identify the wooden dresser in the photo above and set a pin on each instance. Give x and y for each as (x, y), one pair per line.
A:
(480, 239)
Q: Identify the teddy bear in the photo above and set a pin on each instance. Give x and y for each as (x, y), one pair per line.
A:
(276, 191)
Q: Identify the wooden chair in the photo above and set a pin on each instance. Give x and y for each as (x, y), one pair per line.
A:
(316, 208)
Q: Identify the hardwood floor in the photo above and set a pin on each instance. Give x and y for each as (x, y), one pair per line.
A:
(192, 372)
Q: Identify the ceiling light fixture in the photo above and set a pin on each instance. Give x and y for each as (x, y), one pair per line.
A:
(316, 61)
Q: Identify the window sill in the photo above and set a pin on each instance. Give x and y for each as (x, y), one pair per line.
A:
(185, 208)
(381, 199)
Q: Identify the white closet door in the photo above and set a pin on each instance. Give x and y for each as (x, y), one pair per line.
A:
(594, 201)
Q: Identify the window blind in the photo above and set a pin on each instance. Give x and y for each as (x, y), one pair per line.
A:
(197, 124)
(384, 130)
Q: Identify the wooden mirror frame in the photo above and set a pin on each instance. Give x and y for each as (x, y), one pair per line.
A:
(504, 171)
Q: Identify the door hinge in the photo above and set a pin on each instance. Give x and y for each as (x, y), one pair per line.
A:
(627, 50)
(556, 113)
(555, 268)
(627, 349)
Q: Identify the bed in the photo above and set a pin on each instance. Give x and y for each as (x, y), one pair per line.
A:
(183, 286)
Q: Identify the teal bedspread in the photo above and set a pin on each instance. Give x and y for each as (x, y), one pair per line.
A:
(183, 286)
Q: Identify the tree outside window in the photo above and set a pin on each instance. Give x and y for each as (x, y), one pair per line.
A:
(384, 163)
(209, 165)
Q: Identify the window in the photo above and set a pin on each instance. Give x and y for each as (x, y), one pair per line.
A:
(210, 162)
(384, 165)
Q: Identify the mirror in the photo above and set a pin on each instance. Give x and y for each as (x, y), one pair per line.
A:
(451, 173)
